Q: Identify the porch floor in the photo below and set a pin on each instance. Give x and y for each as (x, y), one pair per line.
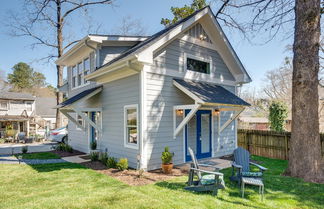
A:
(220, 163)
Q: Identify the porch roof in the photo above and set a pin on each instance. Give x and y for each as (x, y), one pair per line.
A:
(13, 118)
(209, 94)
(80, 96)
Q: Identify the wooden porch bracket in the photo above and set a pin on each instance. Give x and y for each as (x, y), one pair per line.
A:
(231, 119)
(87, 119)
(66, 113)
(194, 109)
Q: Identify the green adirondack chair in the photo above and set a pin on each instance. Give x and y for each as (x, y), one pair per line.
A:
(241, 166)
(206, 180)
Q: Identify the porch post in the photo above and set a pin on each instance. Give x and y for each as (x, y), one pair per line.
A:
(27, 128)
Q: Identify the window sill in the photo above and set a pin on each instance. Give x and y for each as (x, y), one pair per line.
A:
(131, 146)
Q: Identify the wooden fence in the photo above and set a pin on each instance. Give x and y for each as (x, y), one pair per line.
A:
(267, 143)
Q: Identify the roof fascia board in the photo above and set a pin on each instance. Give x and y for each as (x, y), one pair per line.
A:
(110, 68)
(60, 61)
(146, 55)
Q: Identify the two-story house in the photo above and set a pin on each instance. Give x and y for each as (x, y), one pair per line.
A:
(16, 112)
(136, 95)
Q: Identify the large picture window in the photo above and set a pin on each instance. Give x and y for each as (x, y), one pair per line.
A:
(198, 66)
(131, 126)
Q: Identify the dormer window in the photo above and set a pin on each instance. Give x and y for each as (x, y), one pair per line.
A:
(79, 71)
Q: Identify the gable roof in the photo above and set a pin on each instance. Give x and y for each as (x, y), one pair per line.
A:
(145, 43)
(16, 96)
(154, 38)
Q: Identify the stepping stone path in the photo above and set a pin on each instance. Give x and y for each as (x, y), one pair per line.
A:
(9, 159)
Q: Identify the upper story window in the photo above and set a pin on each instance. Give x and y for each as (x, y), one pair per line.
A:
(74, 76)
(86, 63)
(198, 66)
(17, 105)
(3, 105)
(80, 74)
(79, 71)
(29, 106)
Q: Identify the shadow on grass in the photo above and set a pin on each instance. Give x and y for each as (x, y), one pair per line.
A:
(56, 167)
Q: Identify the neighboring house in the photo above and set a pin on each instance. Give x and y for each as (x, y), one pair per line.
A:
(136, 95)
(16, 112)
(45, 111)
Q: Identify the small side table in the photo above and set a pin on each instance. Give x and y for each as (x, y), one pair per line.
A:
(252, 181)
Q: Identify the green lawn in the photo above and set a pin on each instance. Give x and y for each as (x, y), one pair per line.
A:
(39, 155)
(73, 186)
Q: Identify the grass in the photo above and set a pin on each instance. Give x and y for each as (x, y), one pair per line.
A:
(39, 155)
(73, 186)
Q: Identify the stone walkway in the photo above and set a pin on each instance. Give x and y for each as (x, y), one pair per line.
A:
(9, 159)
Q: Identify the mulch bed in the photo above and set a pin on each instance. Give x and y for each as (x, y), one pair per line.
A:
(131, 177)
(67, 154)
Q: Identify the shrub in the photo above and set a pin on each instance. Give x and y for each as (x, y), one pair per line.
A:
(103, 157)
(93, 145)
(122, 164)
(278, 113)
(94, 156)
(24, 149)
(111, 162)
(63, 147)
(166, 156)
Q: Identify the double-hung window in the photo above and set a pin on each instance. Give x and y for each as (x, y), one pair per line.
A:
(86, 63)
(3, 105)
(80, 74)
(197, 65)
(131, 126)
(74, 76)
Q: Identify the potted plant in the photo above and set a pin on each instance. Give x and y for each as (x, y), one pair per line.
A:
(93, 145)
(166, 158)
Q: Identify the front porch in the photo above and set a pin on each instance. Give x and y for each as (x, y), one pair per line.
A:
(208, 126)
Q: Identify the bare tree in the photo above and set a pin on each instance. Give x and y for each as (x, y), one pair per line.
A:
(130, 26)
(274, 17)
(45, 21)
(278, 82)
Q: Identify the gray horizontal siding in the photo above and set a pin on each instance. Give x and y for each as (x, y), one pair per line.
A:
(78, 138)
(161, 96)
(115, 96)
(172, 57)
(108, 53)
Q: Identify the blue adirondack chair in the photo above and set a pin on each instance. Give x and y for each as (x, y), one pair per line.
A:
(207, 180)
(241, 166)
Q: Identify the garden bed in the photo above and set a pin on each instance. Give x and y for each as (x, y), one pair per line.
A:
(131, 176)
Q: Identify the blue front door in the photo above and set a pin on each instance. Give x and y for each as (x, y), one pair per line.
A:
(198, 134)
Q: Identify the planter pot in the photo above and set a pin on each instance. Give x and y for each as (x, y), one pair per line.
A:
(167, 168)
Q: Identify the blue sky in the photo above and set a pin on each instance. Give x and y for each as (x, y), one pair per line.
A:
(257, 59)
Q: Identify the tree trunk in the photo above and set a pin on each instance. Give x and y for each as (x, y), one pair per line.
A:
(305, 148)
(59, 69)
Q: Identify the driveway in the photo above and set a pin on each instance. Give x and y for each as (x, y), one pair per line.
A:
(6, 149)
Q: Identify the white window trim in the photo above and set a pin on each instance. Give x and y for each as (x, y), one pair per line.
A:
(126, 144)
(77, 75)
(203, 59)
(7, 108)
